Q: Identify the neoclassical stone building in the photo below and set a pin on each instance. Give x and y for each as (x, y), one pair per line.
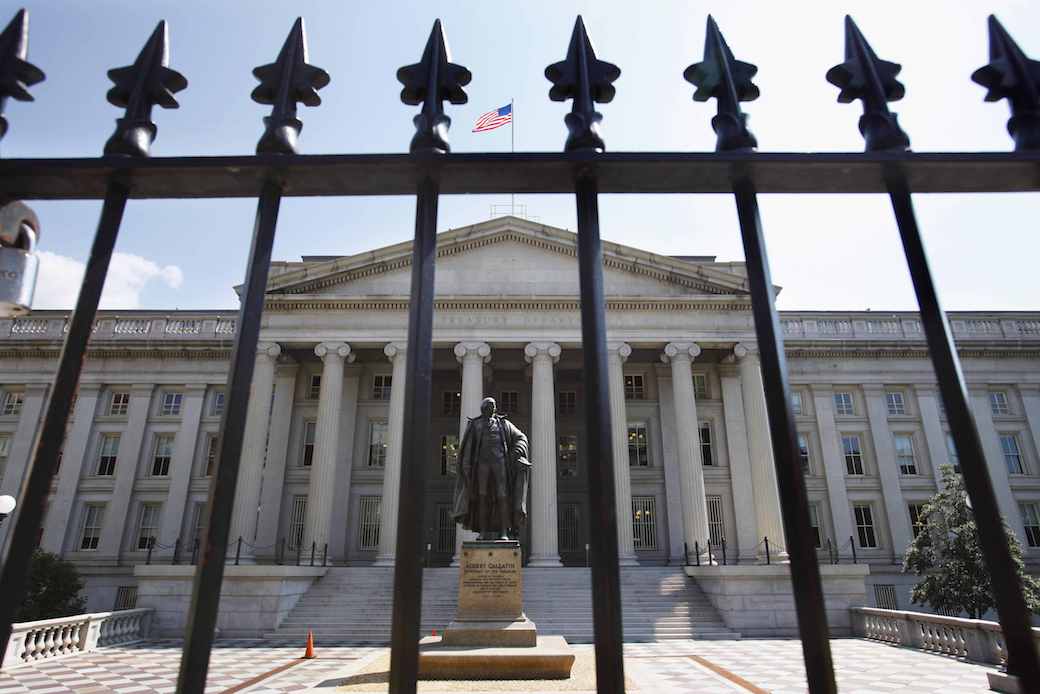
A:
(692, 459)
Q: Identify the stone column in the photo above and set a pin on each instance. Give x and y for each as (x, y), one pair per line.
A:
(395, 352)
(254, 448)
(934, 437)
(688, 449)
(472, 356)
(128, 465)
(760, 448)
(888, 469)
(544, 541)
(748, 536)
(833, 463)
(272, 488)
(998, 471)
(184, 446)
(74, 453)
(341, 528)
(617, 353)
(321, 491)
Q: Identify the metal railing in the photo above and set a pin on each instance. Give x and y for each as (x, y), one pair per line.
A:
(584, 170)
(45, 639)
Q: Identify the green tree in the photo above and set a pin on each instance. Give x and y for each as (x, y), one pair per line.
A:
(53, 589)
(948, 557)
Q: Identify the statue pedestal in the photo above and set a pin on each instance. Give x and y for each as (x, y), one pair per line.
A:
(490, 637)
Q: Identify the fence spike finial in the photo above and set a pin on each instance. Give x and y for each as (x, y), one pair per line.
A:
(866, 77)
(431, 82)
(17, 74)
(1011, 75)
(282, 83)
(728, 80)
(137, 88)
(587, 81)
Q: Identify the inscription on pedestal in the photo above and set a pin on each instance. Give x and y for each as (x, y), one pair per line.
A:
(490, 587)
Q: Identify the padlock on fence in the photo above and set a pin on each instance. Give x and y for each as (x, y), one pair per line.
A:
(19, 264)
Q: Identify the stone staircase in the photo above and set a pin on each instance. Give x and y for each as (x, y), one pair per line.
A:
(659, 603)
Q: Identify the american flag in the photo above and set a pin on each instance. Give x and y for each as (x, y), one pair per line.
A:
(494, 119)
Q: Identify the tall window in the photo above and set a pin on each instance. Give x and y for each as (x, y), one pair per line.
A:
(569, 527)
(796, 402)
(951, 452)
(803, 454)
(567, 454)
(704, 433)
(108, 451)
(814, 524)
(998, 403)
(452, 403)
(368, 525)
(297, 517)
(118, 403)
(638, 450)
(217, 408)
(1012, 453)
(509, 401)
(5, 448)
(1031, 521)
(309, 429)
(148, 525)
(449, 456)
(377, 443)
(850, 443)
(93, 517)
(917, 518)
(314, 387)
(13, 400)
(568, 402)
(211, 454)
(198, 520)
(905, 454)
(895, 402)
(162, 455)
(170, 403)
(635, 389)
(865, 525)
(445, 529)
(843, 403)
(700, 386)
(716, 519)
(381, 387)
(644, 522)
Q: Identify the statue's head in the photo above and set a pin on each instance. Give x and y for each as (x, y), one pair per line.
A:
(487, 407)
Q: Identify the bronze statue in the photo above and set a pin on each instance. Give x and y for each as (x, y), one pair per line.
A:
(492, 475)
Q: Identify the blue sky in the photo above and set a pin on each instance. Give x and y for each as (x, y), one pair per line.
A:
(828, 252)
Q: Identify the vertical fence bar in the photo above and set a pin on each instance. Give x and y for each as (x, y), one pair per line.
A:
(1022, 659)
(408, 569)
(794, 501)
(205, 599)
(606, 578)
(41, 473)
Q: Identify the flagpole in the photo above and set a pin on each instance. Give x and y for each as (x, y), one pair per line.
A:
(512, 149)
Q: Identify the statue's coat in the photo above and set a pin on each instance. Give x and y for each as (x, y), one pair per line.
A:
(466, 509)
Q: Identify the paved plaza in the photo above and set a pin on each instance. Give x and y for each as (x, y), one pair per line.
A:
(269, 667)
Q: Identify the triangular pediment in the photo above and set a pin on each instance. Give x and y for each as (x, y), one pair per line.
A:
(508, 257)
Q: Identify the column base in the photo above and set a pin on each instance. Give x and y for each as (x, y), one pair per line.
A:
(385, 561)
(544, 561)
(627, 560)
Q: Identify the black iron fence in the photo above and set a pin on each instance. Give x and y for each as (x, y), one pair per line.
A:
(584, 169)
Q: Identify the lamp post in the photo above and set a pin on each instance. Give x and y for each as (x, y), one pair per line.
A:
(7, 504)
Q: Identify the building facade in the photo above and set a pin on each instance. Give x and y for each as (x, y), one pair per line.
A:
(692, 459)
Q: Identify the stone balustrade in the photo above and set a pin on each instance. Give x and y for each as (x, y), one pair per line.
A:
(54, 325)
(55, 638)
(905, 326)
(974, 639)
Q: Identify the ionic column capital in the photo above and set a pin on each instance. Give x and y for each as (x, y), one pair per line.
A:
(550, 350)
(329, 351)
(743, 350)
(270, 350)
(473, 349)
(620, 349)
(675, 351)
(394, 350)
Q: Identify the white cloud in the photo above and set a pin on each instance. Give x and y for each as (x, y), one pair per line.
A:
(60, 278)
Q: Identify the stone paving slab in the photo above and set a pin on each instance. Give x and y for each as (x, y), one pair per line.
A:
(275, 667)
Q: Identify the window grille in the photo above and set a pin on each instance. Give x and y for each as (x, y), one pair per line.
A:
(865, 525)
(212, 445)
(814, 525)
(126, 598)
(853, 454)
(904, 444)
(5, 447)
(843, 404)
(13, 400)
(568, 402)
(509, 402)
(108, 452)
(451, 403)
(368, 525)
(1012, 454)
(445, 529)
(163, 455)
(119, 404)
(638, 450)
(644, 522)
(716, 520)
(704, 434)
(297, 518)
(381, 384)
(634, 387)
(917, 518)
(951, 452)
(148, 524)
(998, 403)
(377, 443)
(171, 404)
(449, 454)
(1031, 522)
(896, 404)
(217, 408)
(314, 389)
(198, 520)
(567, 454)
(569, 527)
(93, 517)
(309, 432)
(796, 402)
(803, 454)
(700, 386)
(885, 596)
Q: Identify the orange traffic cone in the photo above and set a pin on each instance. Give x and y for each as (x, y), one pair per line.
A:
(309, 652)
